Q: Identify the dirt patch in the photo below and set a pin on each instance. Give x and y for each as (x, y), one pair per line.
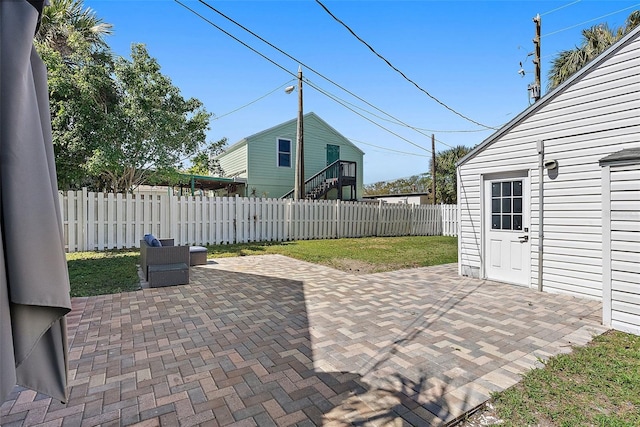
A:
(485, 416)
(354, 266)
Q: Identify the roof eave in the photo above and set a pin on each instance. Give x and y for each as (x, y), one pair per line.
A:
(549, 96)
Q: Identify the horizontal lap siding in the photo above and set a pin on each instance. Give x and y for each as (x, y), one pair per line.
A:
(594, 117)
(267, 179)
(625, 248)
(235, 162)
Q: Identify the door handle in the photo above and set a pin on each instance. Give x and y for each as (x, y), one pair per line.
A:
(523, 239)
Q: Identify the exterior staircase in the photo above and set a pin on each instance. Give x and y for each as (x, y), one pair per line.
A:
(339, 174)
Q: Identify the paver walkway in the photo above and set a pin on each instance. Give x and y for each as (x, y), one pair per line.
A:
(273, 341)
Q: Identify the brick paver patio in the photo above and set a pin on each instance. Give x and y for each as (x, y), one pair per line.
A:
(262, 341)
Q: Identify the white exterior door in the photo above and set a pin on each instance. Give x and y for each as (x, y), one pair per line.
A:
(507, 230)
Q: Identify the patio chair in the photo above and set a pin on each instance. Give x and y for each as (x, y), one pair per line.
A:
(165, 264)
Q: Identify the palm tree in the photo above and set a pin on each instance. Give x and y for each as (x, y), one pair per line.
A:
(595, 40)
(66, 22)
(446, 176)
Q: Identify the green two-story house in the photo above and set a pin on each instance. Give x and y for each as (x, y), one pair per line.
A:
(266, 161)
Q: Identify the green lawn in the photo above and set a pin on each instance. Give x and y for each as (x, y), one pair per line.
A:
(97, 273)
(100, 273)
(595, 385)
(363, 255)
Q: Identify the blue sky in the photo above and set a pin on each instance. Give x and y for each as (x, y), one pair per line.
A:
(464, 53)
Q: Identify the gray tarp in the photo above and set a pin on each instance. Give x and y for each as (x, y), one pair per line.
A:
(34, 287)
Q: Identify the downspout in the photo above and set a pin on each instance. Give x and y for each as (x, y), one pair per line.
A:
(540, 210)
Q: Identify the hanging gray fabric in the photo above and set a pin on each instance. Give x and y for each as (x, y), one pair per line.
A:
(34, 283)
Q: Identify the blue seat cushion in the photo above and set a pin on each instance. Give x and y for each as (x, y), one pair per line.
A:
(152, 241)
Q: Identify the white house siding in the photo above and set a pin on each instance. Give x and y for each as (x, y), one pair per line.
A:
(621, 223)
(595, 115)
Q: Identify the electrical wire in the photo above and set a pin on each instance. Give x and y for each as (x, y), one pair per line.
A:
(590, 20)
(343, 102)
(398, 121)
(354, 141)
(398, 70)
(320, 90)
(389, 149)
(417, 129)
(561, 7)
(254, 101)
(234, 37)
(335, 99)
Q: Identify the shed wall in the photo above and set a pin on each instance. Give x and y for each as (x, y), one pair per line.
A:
(595, 116)
(623, 257)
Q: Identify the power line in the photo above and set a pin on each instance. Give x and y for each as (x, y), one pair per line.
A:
(398, 121)
(455, 131)
(327, 94)
(252, 102)
(389, 149)
(590, 20)
(398, 71)
(343, 102)
(561, 7)
(235, 38)
(334, 98)
(311, 126)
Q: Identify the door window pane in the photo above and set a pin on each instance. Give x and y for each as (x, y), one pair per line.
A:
(495, 206)
(506, 222)
(517, 222)
(506, 189)
(517, 188)
(517, 205)
(495, 222)
(495, 189)
(506, 205)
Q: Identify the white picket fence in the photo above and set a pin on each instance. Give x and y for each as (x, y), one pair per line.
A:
(99, 221)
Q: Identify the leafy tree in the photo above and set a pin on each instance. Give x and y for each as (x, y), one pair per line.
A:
(204, 162)
(70, 41)
(152, 127)
(82, 97)
(595, 40)
(446, 179)
(413, 184)
(115, 122)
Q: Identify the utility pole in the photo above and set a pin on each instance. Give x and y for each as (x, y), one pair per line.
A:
(433, 167)
(536, 87)
(299, 192)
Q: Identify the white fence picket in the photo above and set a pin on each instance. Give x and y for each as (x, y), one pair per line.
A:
(98, 221)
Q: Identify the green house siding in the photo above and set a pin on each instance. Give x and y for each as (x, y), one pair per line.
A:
(234, 162)
(266, 179)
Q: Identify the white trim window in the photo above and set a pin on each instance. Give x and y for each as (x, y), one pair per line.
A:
(284, 153)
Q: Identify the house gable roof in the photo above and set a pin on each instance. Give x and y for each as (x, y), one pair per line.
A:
(313, 115)
(532, 109)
